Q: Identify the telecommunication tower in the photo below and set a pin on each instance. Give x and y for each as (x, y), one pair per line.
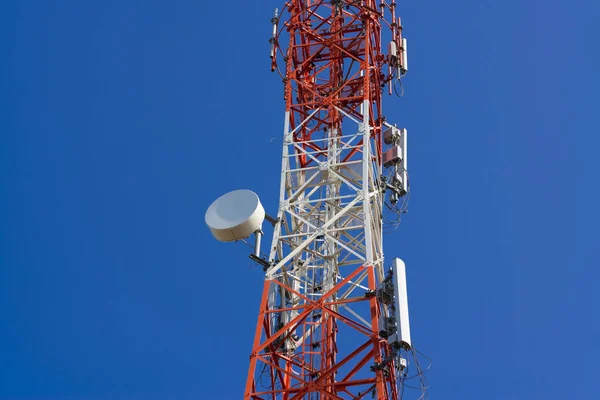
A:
(333, 320)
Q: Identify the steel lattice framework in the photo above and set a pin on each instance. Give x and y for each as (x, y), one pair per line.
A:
(317, 335)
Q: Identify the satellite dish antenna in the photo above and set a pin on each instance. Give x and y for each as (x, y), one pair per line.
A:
(235, 216)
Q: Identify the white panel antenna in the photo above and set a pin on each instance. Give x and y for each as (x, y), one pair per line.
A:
(404, 57)
(402, 335)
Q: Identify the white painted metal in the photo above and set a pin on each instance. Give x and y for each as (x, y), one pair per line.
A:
(329, 217)
(235, 215)
(366, 175)
(257, 237)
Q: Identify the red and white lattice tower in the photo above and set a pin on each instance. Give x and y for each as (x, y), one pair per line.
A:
(331, 323)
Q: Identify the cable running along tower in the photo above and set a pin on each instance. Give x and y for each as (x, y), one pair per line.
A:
(333, 319)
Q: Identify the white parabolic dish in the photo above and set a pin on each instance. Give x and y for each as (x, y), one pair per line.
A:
(235, 215)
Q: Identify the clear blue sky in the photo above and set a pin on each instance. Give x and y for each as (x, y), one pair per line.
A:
(120, 121)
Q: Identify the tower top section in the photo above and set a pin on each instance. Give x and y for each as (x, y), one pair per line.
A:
(336, 58)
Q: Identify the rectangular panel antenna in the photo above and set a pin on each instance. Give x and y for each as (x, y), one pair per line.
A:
(402, 336)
